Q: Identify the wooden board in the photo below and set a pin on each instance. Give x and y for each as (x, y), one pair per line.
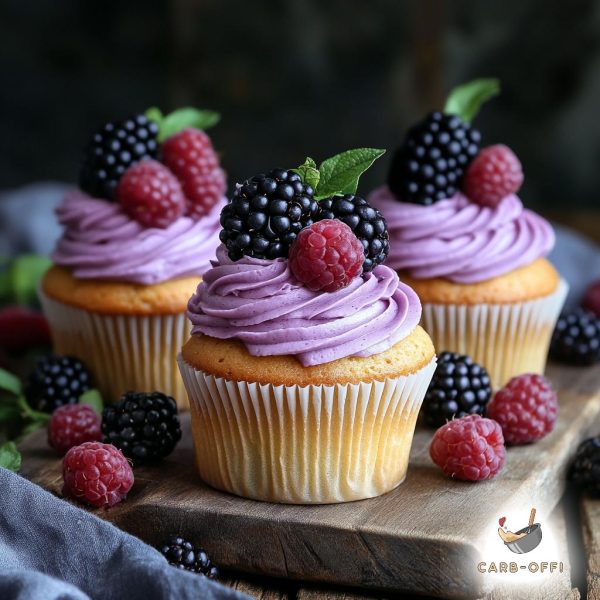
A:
(590, 521)
(427, 536)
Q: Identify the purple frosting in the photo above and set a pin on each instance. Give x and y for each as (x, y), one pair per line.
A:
(260, 303)
(459, 240)
(101, 242)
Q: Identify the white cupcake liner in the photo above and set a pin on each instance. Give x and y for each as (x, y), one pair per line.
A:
(315, 444)
(507, 339)
(123, 352)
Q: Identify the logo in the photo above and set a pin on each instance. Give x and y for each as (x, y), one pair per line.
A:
(524, 540)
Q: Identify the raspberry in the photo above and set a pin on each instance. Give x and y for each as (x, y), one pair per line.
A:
(526, 408)
(494, 174)
(97, 474)
(591, 300)
(22, 329)
(151, 194)
(191, 156)
(326, 256)
(72, 425)
(470, 448)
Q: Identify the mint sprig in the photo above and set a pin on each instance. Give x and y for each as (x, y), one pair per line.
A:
(181, 118)
(339, 174)
(20, 277)
(10, 457)
(465, 100)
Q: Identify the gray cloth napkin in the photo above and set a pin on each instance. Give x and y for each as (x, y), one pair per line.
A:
(52, 550)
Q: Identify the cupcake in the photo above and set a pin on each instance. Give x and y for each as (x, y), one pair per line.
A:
(462, 239)
(138, 235)
(306, 367)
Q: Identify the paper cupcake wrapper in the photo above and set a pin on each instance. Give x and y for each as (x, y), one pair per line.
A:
(304, 445)
(123, 352)
(507, 339)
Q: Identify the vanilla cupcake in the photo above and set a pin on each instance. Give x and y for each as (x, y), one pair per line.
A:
(461, 237)
(305, 374)
(128, 261)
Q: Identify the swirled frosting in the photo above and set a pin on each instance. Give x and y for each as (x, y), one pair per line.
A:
(459, 240)
(260, 303)
(101, 242)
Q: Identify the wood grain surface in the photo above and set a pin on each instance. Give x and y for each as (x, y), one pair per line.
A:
(427, 536)
(590, 521)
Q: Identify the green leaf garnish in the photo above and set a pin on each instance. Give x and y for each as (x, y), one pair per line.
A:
(309, 172)
(29, 413)
(466, 100)
(10, 457)
(181, 118)
(339, 174)
(23, 276)
(10, 383)
(94, 399)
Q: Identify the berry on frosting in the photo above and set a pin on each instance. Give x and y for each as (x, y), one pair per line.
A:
(471, 448)
(526, 408)
(495, 173)
(151, 194)
(266, 214)
(326, 256)
(366, 222)
(430, 164)
(191, 157)
(112, 149)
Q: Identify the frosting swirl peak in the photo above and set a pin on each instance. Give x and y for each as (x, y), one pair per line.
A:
(101, 242)
(260, 303)
(462, 241)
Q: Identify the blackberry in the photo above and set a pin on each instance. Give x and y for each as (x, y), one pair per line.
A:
(144, 426)
(366, 222)
(184, 555)
(56, 381)
(459, 387)
(585, 470)
(265, 215)
(576, 338)
(112, 149)
(430, 164)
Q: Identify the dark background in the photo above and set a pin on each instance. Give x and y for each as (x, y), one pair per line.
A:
(298, 77)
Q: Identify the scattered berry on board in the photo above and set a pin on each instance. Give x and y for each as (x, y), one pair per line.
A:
(591, 300)
(576, 338)
(459, 387)
(145, 426)
(72, 425)
(96, 474)
(326, 256)
(191, 157)
(526, 408)
(585, 470)
(184, 555)
(265, 215)
(366, 222)
(470, 448)
(430, 164)
(112, 149)
(493, 174)
(151, 194)
(55, 381)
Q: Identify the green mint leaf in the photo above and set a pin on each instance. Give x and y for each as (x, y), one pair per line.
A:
(309, 172)
(340, 173)
(28, 413)
(10, 383)
(25, 273)
(10, 457)
(466, 100)
(186, 117)
(94, 399)
(154, 114)
(8, 410)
